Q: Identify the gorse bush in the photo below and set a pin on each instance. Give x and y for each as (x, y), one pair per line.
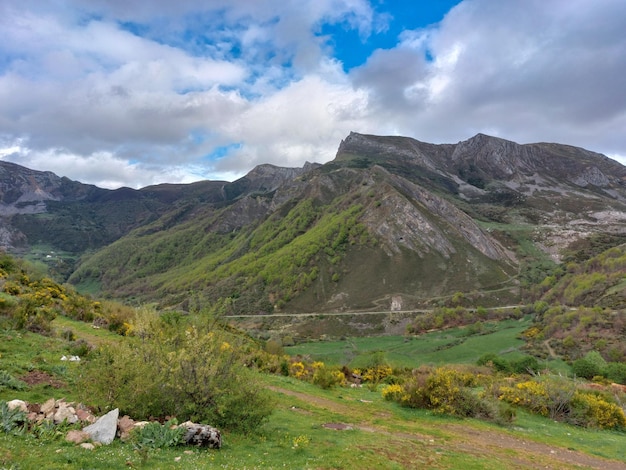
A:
(191, 371)
(559, 398)
(445, 390)
(326, 377)
(591, 410)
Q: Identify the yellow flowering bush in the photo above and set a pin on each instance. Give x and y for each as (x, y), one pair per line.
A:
(298, 370)
(530, 394)
(592, 410)
(393, 392)
(377, 373)
(326, 377)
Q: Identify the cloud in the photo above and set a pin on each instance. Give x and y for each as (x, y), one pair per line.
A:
(143, 92)
(528, 71)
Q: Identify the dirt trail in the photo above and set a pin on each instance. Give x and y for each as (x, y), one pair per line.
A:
(526, 454)
(553, 355)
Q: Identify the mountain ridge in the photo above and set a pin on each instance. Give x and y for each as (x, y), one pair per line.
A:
(387, 217)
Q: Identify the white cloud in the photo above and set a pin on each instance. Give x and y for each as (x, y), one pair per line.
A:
(113, 92)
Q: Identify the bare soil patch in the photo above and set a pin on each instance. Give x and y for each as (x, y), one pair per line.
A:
(36, 377)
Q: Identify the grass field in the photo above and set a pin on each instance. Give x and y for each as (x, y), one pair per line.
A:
(449, 346)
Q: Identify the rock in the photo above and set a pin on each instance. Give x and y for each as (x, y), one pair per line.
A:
(18, 404)
(125, 425)
(65, 412)
(88, 446)
(202, 435)
(77, 437)
(85, 416)
(105, 428)
(48, 407)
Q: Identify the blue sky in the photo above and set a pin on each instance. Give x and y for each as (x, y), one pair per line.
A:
(137, 92)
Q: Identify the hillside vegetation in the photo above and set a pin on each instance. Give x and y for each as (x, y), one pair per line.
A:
(404, 408)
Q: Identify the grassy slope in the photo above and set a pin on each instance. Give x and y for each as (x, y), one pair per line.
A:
(379, 434)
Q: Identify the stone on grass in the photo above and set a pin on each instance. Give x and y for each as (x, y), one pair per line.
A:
(104, 429)
(77, 437)
(18, 404)
(202, 435)
(85, 415)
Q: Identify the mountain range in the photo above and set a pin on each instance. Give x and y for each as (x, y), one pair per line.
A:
(391, 223)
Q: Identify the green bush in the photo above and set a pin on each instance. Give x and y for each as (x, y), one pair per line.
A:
(585, 368)
(326, 377)
(154, 435)
(447, 391)
(525, 365)
(616, 371)
(589, 366)
(194, 373)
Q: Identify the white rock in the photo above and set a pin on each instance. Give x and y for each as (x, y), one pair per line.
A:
(104, 429)
(18, 404)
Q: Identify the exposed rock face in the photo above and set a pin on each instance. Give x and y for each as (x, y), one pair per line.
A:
(435, 219)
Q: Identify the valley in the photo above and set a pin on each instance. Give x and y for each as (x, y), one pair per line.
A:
(403, 305)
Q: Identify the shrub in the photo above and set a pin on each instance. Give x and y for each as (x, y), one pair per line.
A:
(393, 392)
(195, 373)
(616, 371)
(584, 368)
(592, 410)
(547, 395)
(493, 360)
(525, 365)
(326, 377)
(590, 365)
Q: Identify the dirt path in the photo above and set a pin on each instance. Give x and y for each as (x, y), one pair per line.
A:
(546, 343)
(525, 453)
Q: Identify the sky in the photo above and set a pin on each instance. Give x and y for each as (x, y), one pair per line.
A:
(140, 92)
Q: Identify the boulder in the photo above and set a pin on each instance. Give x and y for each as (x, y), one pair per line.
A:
(105, 428)
(202, 435)
(18, 404)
